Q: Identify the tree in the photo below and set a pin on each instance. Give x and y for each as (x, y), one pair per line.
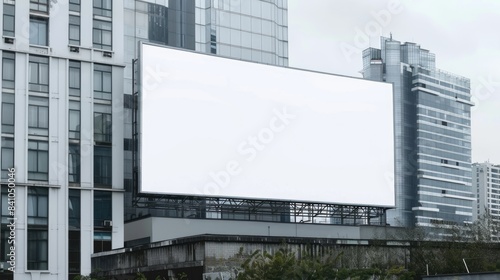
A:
(285, 265)
(262, 266)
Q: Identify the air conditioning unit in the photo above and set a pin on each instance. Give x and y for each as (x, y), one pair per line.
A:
(8, 40)
(74, 49)
(107, 54)
(107, 223)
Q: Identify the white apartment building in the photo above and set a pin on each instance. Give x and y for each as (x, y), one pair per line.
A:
(66, 113)
(486, 188)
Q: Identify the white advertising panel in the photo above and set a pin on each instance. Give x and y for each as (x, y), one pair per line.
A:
(219, 127)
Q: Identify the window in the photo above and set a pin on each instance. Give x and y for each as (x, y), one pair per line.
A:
(74, 163)
(5, 246)
(39, 74)
(102, 123)
(157, 24)
(102, 82)
(102, 213)
(102, 165)
(8, 20)
(39, 5)
(8, 70)
(74, 5)
(74, 120)
(38, 160)
(101, 35)
(6, 213)
(128, 101)
(213, 41)
(103, 8)
(74, 252)
(74, 78)
(38, 31)
(74, 209)
(102, 241)
(128, 144)
(74, 30)
(102, 207)
(38, 208)
(74, 239)
(38, 243)
(38, 116)
(7, 156)
(8, 113)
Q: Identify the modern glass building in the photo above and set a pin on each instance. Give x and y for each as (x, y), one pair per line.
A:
(66, 113)
(254, 30)
(432, 135)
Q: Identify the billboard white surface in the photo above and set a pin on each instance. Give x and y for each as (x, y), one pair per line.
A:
(212, 126)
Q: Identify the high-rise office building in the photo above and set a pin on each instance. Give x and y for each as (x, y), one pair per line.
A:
(254, 30)
(486, 189)
(432, 113)
(66, 113)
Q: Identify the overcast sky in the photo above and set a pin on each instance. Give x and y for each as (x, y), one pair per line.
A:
(329, 35)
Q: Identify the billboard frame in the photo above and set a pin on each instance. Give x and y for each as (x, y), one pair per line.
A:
(168, 201)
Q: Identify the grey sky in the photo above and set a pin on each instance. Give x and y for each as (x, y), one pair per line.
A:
(329, 35)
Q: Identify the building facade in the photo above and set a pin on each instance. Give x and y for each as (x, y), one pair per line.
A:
(254, 30)
(67, 128)
(486, 189)
(62, 94)
(432, 135)
(66, 113)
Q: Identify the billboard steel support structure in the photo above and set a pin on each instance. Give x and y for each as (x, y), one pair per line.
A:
(263, 210)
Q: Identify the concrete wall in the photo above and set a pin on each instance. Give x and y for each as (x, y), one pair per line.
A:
(216, 254)
(159, 229)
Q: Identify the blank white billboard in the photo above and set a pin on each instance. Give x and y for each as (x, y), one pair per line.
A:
(219, 127)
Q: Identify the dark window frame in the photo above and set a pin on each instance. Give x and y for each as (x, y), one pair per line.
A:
(41, 66)
(74, 5)
(8, 70)
(103, 209)
(8, 113)
(38, 246)
(36, 23)
(100, 30)
(75, 23)
(74, 117)
(103, 82)
(74, 164)
(9, 16)
(75, 78)
(103, 127)
(103, 8)
(7, 147)
(38, 124)
(41, 170)
(39, 6)
(103, 166)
